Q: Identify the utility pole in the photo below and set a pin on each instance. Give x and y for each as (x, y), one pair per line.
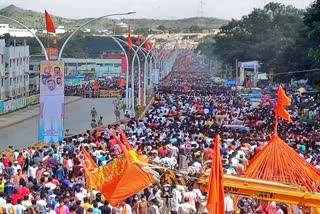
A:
(200, 12)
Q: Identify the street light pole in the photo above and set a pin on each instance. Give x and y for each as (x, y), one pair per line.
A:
(86, 23)
(127, 73)
(33, 34)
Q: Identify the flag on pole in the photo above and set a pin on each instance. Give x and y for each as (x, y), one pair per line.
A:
(129, 40)
(55, 41)
(282, 101)
(283, 113)
(138, 42)
(147, 45)
(49, 23)
(282, 98)
(215, 203)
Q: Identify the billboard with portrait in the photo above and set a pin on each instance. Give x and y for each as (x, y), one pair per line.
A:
(51, 101)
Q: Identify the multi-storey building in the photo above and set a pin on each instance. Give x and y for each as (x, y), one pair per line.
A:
(14, 71)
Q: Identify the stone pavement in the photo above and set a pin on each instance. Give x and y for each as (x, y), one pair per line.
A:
(16, 117)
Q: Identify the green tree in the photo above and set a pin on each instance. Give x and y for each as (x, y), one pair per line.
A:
(195, 29)
(312, 21)
(162, 27)
(141, 31)
(272, 35)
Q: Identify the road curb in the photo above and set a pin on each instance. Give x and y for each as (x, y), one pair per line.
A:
(32, 116)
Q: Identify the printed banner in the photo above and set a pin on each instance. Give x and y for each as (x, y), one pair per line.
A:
(51, 101)
(13, 105)
(32, 100)
(1, 107)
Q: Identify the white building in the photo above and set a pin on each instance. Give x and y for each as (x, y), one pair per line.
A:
(14, 71)
(16, 32)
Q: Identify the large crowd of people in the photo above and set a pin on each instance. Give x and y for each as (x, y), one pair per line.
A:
(177, 132)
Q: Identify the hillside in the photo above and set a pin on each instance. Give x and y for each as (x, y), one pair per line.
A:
(36, 20)
(207, 23)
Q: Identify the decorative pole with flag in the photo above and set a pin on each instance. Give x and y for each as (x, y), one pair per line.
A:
(215, 203)
(280, 111)
(50, 29)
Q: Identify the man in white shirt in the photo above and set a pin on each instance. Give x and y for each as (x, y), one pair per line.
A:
(186, 207)
(32, 171)
(52, 113)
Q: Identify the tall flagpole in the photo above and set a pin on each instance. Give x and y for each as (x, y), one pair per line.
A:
(48, 46)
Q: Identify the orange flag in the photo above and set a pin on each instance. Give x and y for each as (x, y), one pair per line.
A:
(138, 42)
(96, 85)
(88, 160)
(215, 203)
(133, 180)
(55, 41)
(167, 78)
(282, 112)
(282, 98)
(90, 177)
(124, 138)
(148, 45)
(49, 23)
(129, 40)
(123, 147)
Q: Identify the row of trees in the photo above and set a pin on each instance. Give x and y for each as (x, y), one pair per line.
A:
(281, 37)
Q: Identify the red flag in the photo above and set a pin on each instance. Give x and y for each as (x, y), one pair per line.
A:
(282, 98)
(282, 112)
(49, 23)
(96, 85)
(215, 203)
(129, 40)
(138, 42)
(147, 45)
(55, 41)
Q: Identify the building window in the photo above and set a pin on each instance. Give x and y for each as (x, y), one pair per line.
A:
(10, 81)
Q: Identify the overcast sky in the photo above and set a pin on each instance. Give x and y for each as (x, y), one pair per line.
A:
(163, 9)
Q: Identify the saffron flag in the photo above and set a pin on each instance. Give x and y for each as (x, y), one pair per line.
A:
(129, 40)
(90, 177)
(49, 23)
(148, 45)
(215, 203)
(88, 160)
(282, 112)
(132, 180)
(138, 42)
(55, 41)
(282, 98)
(167, 78)
(96, 85)
(124, 139)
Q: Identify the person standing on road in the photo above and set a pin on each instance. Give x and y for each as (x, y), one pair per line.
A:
(93, 113)
(100, 122)
(94, 124)
(117, 113)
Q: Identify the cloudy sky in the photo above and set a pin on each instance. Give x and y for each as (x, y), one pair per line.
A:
(163, 9)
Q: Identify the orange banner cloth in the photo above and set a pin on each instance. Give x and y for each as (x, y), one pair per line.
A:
(278, 162)
(88, 160)
(133, 180)
(215, 203)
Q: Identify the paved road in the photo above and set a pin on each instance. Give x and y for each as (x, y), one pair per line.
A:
(77, 119)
